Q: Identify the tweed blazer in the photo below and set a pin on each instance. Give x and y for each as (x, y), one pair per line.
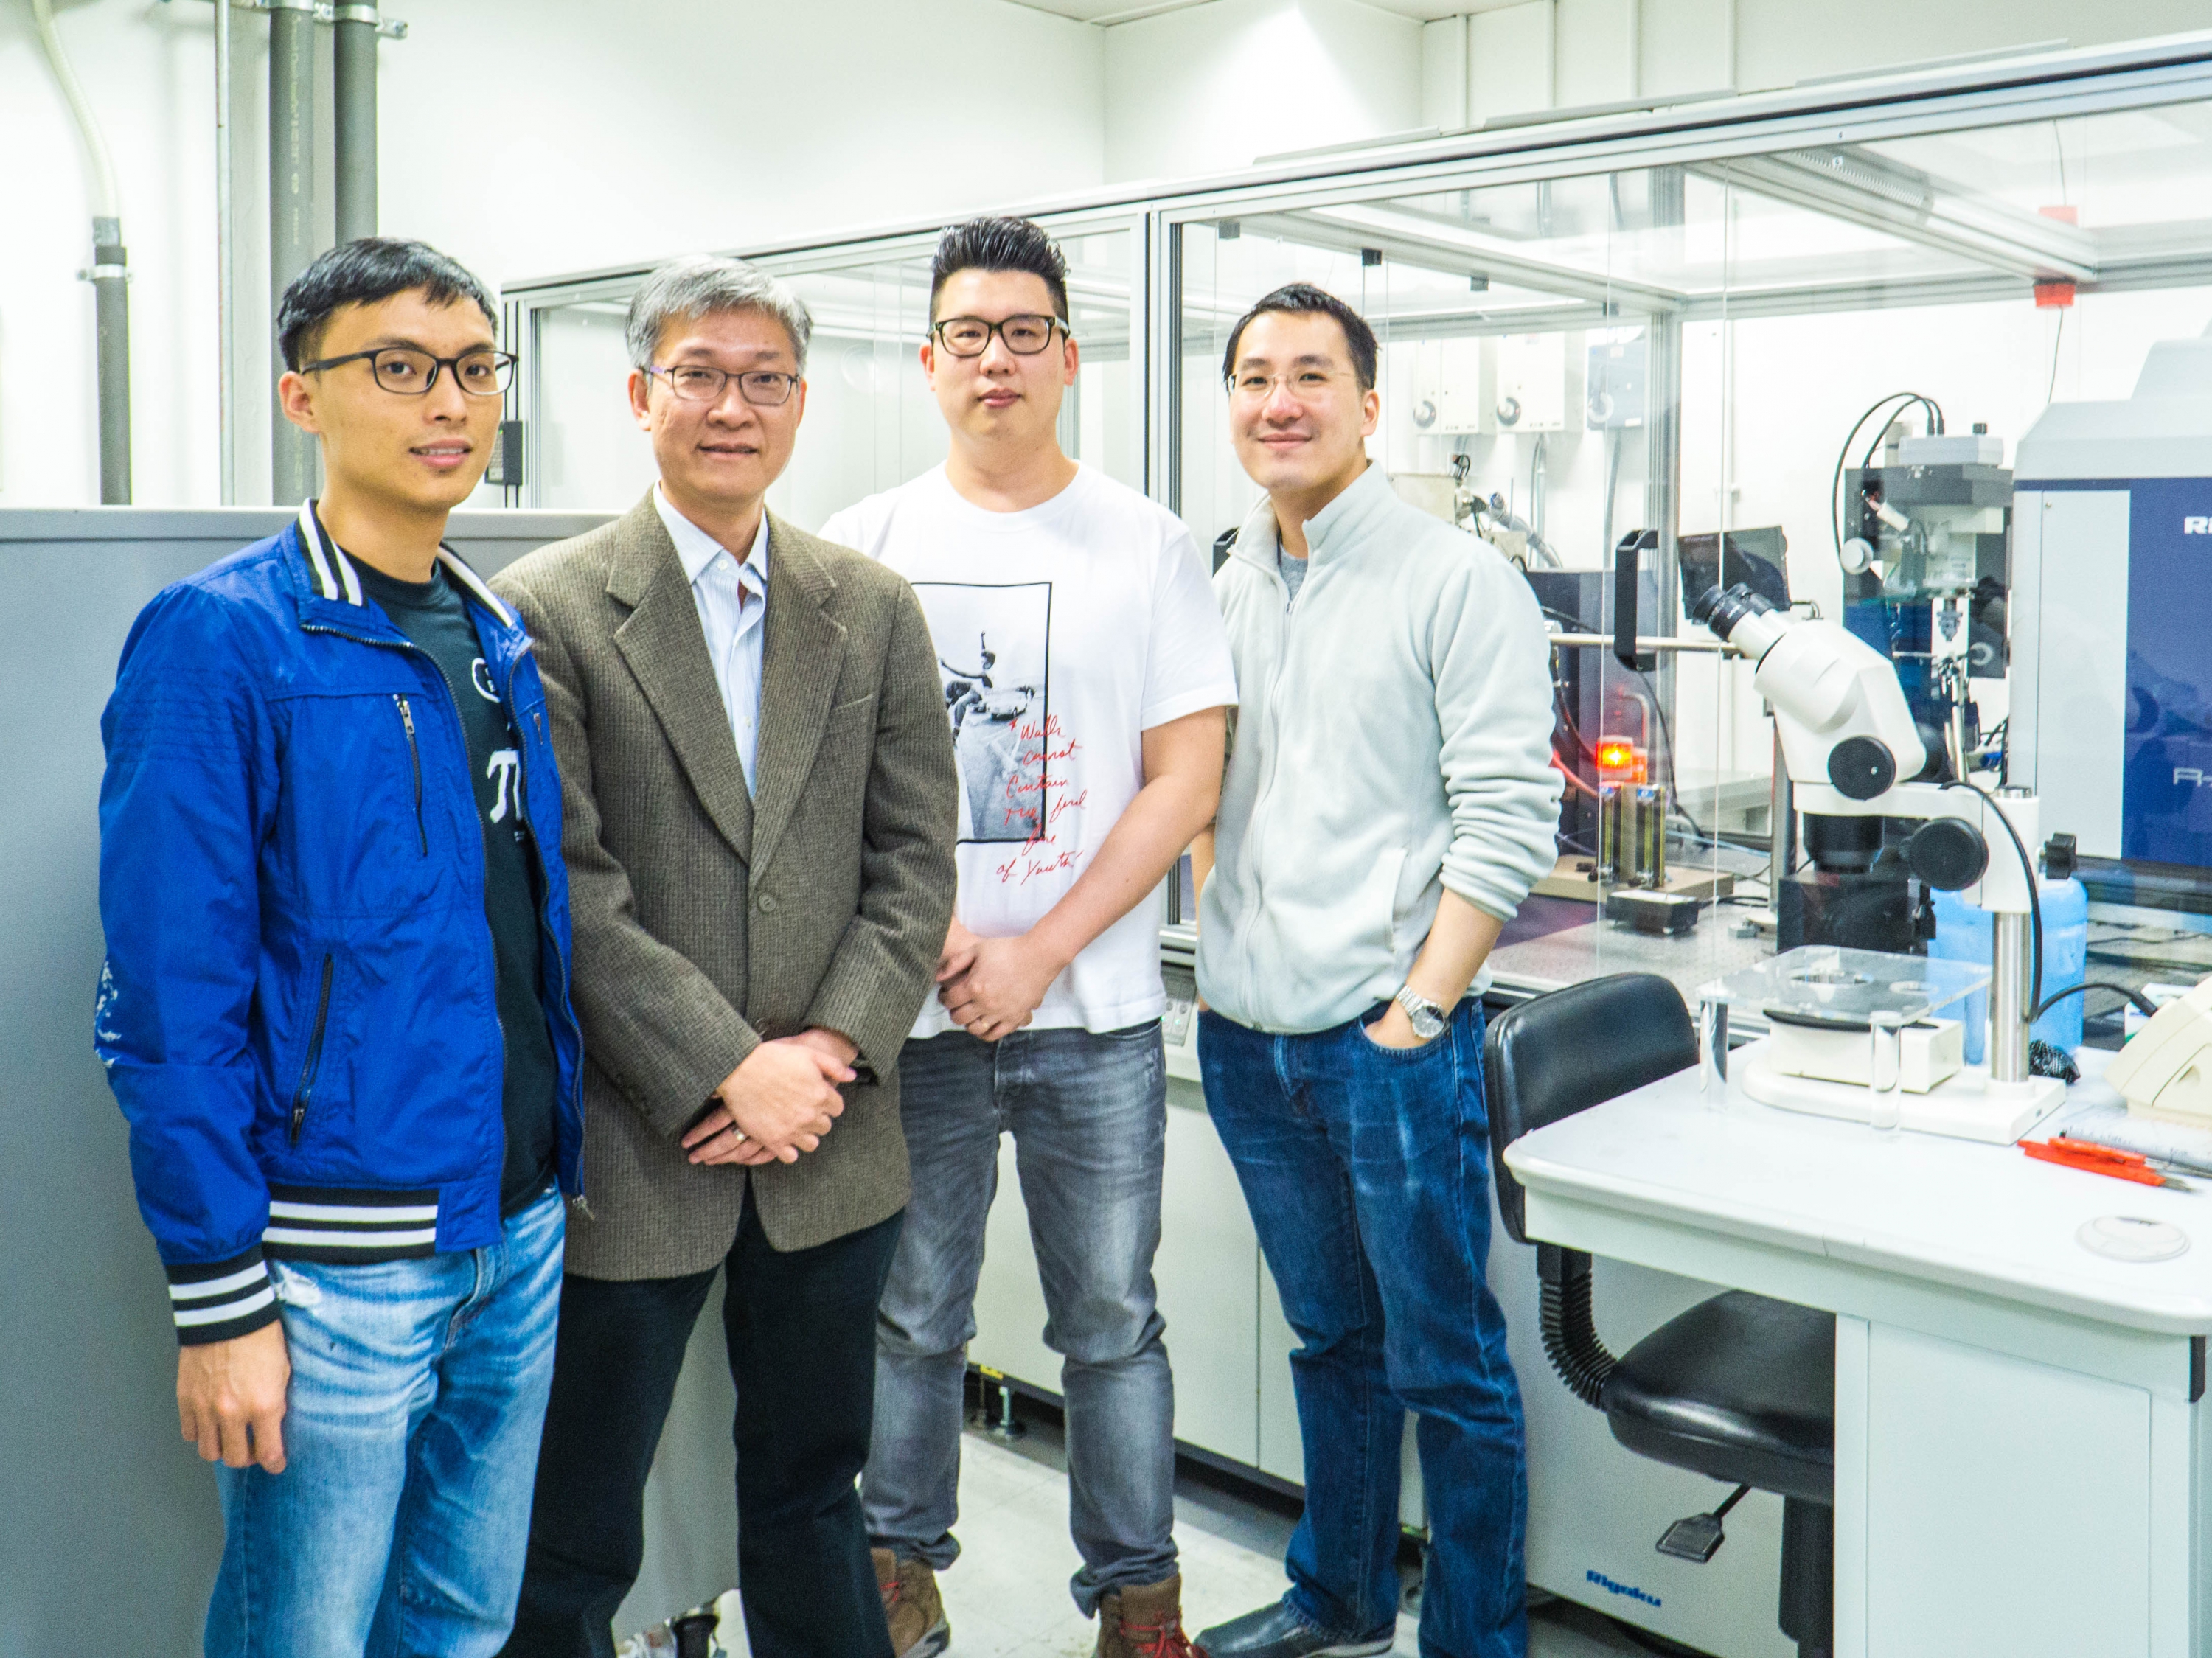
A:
(707, 919)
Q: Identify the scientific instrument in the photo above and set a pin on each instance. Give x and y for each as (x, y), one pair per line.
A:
(2111, 626)
(1853, 750)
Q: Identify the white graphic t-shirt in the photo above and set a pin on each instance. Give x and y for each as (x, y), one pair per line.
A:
(1063, 634)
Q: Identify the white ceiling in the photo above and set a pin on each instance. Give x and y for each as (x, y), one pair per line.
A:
(1128, 11)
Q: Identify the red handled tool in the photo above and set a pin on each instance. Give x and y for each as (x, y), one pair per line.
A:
(2095, 1159)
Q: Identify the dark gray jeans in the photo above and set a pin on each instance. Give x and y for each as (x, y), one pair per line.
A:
(1088, 1113)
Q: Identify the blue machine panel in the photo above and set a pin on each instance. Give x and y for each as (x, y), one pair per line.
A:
(2166, 796)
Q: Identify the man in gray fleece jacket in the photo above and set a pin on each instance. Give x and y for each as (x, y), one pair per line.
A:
(1390, 800)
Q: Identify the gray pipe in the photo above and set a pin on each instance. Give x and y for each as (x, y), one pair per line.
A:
(110, 285)
(354, 118)
(291, 212)
(112, 355)
(226, 270)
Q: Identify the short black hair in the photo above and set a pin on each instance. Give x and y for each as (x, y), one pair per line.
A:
(1000, 245)
(1304, 298)
(361, 272)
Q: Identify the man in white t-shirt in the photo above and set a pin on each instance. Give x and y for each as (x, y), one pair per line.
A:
(1086, 678)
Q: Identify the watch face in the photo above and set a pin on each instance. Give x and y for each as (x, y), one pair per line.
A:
(1427, 1026)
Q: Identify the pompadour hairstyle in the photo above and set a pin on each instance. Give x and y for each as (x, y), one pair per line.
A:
(1304, 299)
(1000, 245)
(700, 284)
(361, 272)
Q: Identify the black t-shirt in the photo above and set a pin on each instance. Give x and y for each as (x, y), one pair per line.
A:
(433, 616)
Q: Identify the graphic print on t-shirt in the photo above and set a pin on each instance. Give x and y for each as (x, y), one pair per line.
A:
(994, 654)
(504, 769)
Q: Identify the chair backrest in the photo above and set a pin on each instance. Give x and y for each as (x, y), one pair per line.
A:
(1577, 1047)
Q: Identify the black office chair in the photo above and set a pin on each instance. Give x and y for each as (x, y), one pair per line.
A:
(1739, 1389)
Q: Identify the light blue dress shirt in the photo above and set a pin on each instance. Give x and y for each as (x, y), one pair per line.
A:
(733, 601)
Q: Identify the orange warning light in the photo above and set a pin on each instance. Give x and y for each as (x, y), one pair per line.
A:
(1619, 761)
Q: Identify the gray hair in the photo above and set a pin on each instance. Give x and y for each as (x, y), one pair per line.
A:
(701, 283)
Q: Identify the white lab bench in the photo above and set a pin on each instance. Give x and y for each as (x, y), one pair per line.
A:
(2021, 1453)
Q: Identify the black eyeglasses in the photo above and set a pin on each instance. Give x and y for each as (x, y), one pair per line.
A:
(409, 373)
(970, 336)
(695, 382)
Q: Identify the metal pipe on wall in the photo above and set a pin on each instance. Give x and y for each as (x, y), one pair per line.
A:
(226, 271)
(109, 275)
(111, 278)
(291, 211)
(352, 107)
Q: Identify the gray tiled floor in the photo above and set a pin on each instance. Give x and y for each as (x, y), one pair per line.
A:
(1007, 1595)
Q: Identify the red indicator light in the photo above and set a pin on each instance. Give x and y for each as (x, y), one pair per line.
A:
(1619, 761)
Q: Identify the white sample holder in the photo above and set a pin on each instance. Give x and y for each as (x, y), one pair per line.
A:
(1837, 990)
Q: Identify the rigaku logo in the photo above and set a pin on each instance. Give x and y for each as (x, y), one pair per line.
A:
(1612, 1588)
(2196, 527)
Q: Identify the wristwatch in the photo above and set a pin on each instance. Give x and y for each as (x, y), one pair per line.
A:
(1428, 1019)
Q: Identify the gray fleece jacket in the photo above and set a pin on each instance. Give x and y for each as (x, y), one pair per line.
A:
(1392, 739)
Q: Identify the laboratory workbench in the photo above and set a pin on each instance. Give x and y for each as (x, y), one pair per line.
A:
(2022, 1464)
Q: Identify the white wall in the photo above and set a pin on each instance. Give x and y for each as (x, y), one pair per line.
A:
(1564, 53)
(524, 136)
(1207, 89)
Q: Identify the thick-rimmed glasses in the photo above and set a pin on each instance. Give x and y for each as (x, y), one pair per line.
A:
(695, 382)
(408, 372)
(970, 336)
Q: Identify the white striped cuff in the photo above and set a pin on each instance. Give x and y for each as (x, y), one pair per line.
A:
(222, 1300)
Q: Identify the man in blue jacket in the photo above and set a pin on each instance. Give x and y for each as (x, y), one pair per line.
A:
(335, 1008)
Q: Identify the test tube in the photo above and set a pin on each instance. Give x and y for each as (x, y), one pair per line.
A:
(1610, 835)
(1885, 1071)
(1712, 1050)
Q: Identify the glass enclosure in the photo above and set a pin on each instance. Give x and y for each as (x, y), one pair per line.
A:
(1701, 367)
(870, 422)
(1719, 353)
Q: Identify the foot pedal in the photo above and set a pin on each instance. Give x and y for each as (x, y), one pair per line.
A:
(1699, 1538)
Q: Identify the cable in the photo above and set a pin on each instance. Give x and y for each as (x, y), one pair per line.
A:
(2142, 1001)
(1843, 456)
(105, 200)
(2057, 338)
(2034, 901)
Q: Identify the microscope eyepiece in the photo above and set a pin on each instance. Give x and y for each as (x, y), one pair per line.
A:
(1721, 610)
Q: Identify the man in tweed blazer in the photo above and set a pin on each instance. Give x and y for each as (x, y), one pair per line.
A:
(760, 816)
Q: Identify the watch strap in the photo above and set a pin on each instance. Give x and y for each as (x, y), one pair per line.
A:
(1428, 1018)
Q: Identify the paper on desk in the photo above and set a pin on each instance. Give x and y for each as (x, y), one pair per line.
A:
(2098, 1115)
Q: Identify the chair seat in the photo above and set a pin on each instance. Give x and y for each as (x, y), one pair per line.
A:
(1740, 1388)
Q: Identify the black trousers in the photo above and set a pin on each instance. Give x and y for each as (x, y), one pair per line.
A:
(801, 1333)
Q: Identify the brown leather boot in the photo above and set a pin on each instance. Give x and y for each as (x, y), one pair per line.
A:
(911, 1605)
(1143, 1621)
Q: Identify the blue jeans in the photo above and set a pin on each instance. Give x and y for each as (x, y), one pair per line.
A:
(1088, 1111)
(1367, 1171)
(399, 1526)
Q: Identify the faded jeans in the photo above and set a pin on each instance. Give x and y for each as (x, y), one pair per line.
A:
(1367, 1171)
(1088, 1111)
(399, 1524)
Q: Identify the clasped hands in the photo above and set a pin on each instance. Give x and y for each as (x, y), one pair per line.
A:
(992, 986)
(780, 1102)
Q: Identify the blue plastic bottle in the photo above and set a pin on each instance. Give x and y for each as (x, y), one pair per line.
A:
(1962, 934)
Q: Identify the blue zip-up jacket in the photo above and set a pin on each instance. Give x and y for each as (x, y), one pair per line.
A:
(299, 1009)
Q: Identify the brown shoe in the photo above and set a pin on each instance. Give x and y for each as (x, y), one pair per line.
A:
(911, 1605)
(1143, 1621)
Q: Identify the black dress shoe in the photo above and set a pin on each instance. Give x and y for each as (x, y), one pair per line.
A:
(1277, 1631)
